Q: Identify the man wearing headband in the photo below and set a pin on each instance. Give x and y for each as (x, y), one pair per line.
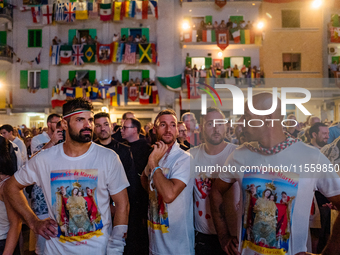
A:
(80, 221)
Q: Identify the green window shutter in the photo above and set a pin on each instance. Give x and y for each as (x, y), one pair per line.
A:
(125, 75)
(208, 62)
(71, 75)
(38, 38)
(23, 79)
(3, 37)
(31, 38)
(124, 31)
(226, 63)
(44, 79)
(93, 32)
(247, 61)
(145, 31)
(71, 34)
(145, 74)
(236, 19)
(188, 61)
(336, 59)
(92, 76)
(208, 19)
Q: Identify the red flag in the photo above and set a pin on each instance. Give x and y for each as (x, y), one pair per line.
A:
(204, 36)
(187, 77)
(220, 3)
(154, 53)
(145, 6)
(122, 10)
(222, 38)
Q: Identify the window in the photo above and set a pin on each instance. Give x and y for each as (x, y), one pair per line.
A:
(34, 79)
(291, 61)
(290, 18)
(34, 38)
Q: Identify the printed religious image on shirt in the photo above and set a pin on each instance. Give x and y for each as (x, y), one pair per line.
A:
(158, 218)
(268, 208)
(74, 202)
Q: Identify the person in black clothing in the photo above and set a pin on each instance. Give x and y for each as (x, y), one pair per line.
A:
(118, 135)
(136, 239)
(182, 136)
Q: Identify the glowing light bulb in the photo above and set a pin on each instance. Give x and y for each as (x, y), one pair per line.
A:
(219, 54)
(260, 25)
(185, 26)
(317, 4)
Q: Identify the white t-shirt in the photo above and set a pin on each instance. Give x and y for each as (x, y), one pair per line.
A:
(202, 185)
(170, 226)
(22, 147)
(77, 193)
(281, 224)
(39, 141)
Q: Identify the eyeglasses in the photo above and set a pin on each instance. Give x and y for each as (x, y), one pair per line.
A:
(124, 127)
(182, 131)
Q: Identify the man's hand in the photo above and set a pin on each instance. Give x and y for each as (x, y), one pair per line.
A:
(57, 136)
(230, 245)
(47, 228)
(159, 149)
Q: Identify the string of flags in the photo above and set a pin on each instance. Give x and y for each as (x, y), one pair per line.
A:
(118, 95)
(30, 62)
(116, 52)
(71, 11)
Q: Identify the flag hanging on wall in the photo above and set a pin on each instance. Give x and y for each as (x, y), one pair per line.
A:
(35, 14)
(130, 53)
(222, 38)
(145, 9)
(59, 12)
(145, 53)
(93, 9)
(133, 93)
(173, 83)
(139, 9)
(78, 55)
(47, 11)
(132, 9)
(89, 53)
(65, 54)
(154, 8)
(105, 12)
(81, 10)
(104, 53)
(69, 12)
(117, 10)
(55, 54)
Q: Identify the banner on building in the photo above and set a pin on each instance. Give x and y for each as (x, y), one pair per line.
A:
(220, 3)
(222, 38)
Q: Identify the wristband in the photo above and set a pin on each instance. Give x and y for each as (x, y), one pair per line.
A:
(116, 243)
(151, 177)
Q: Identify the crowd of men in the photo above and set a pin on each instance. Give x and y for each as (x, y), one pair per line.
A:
(96, 187)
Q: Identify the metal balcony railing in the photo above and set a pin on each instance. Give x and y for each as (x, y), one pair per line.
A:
(6, 12)
(6, 53)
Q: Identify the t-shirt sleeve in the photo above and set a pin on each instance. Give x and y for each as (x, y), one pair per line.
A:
(116, 178)
(328, 183)
(27, 175)
(181, 169)
(34, 144)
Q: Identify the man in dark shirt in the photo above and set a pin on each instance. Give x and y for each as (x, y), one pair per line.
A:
(118, 135)
(136, 240)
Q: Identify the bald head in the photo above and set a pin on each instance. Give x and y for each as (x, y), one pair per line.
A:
(264, 101)
(314, 120)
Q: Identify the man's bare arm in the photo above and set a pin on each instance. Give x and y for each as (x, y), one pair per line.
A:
(15, 196)
(228, 243)
(333, 246)
(122, 206)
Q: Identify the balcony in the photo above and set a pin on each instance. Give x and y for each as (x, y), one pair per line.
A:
(6, 53)
(6, 15)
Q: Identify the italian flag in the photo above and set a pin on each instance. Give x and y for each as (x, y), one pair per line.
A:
(105, 12)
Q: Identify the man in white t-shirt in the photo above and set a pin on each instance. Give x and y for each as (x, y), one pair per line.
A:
(77, 178)
(7, 132)
(212, 153)
(275, 204)
(170, 215)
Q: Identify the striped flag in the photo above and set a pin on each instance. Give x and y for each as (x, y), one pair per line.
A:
(115, 49)
(154, 8)
(78, 55)
(130, 54)
(55, 55)
(127, 7)
(35, 14)
(81, 11)
(93, 10)
(59, 12)
(132, 9)
(105, 12)
(237, 36)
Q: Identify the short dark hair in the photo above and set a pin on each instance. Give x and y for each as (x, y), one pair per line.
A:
(135, 123)
(165, 112)
(7, 127)
(211, 109)
(101, 115)
(315, 128)
(51, 116)
(180, 123)
(6, 163)
(126, 113)
(77, 103)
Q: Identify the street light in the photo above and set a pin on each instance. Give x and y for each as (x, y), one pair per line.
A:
(317, 4)
(219, 54)
(260, 25)
(185, 25)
